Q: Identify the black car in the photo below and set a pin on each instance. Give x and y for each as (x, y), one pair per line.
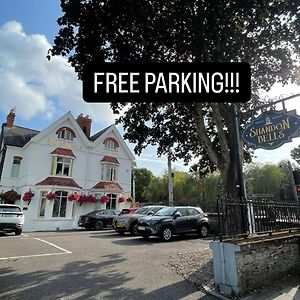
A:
(127, 222)
(170, 221)
(98, 219)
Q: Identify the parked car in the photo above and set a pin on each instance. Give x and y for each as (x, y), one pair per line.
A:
(98, 219)
(127, 222)
(170, 221)
(11, 218)
(130, 210)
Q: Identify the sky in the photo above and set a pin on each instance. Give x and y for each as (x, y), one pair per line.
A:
(42, 90)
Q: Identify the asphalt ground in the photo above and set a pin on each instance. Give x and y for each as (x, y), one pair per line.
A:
(92, 265)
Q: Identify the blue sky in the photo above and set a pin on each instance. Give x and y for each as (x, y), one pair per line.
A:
(43, 91)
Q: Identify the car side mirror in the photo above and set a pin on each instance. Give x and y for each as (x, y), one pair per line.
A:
(176, 215)
(150, 213)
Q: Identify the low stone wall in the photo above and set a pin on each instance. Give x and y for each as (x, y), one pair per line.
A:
(241, 266)
(261, 262)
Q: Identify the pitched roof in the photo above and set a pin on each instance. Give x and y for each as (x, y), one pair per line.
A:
(104, 185)
(18, 136)
(110, 159)
(63, 151)
(99, 133)
(59, 181)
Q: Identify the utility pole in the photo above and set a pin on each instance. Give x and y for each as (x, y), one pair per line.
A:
(170, 182)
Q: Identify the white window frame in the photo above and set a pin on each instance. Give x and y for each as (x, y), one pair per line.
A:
(55, 164)
(59, 199)
(112, 199)
(43, 200)
(65, 134)
(110, 144)
(15, 169)
(109, 172)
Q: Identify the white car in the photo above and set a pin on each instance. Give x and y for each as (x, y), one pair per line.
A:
(11, 218)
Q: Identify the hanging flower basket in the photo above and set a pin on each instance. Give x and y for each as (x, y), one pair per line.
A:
(104, 199)
(130, 199)
(122, 199)
(74, 196)
(27, 197)
(11, 196)
(51, 196)
(86, 198)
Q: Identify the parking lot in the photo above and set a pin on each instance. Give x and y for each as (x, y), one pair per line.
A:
(92, 265)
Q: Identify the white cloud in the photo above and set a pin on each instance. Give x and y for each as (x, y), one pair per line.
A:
(36, 86)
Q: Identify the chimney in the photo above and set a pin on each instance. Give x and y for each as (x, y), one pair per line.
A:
(11, 118)
(85, 124)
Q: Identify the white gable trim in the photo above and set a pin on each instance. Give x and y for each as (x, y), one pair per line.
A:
(120, 139)
(58, 123)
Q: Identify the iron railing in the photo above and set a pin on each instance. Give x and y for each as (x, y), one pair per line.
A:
(257, 214)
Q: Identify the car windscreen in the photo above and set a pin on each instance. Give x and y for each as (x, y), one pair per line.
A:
(93, 212)
(142, 210)
(167, 211)
(9, 209)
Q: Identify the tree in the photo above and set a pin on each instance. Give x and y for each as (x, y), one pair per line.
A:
(264, 179)
(264, 33)
(295, 154)
(142, 177)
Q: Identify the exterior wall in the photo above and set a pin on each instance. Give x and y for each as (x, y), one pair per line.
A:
(243, 267)
(261, 263)
(36, 166)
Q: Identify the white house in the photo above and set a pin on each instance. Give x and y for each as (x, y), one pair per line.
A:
(66, 160)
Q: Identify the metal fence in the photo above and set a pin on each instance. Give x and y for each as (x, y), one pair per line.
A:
(257, 214)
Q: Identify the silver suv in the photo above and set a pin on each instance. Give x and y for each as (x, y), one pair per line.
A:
(127, 222)
(11, 218)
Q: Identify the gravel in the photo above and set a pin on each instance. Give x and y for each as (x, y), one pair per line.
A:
(195, 266)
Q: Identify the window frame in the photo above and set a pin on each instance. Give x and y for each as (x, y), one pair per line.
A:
(109, 172)
(42, 199)
(59, 198)
(16, 165)
(110, 144)
(112, 200)
(65, 134)
(55, 164)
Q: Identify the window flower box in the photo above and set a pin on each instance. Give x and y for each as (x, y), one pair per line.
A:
(74, 196)
(87, 198)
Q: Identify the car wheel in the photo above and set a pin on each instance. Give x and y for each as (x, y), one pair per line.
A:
(99, 225)
(133, 229)
(203, 230)
(18, 232)
(166, 234)
(145, 236)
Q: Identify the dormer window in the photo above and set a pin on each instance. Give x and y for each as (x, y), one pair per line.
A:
(111, 143)
(62, 162)
(66, 133)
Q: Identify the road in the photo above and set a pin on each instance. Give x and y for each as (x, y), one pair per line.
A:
(92, 265)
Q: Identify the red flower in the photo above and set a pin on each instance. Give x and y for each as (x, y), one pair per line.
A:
(28, 196)
(86, 198)
(51, 196)
(104, 199)
(122, 199)
(74, 196)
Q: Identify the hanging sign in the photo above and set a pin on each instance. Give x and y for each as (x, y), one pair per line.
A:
(272, 129)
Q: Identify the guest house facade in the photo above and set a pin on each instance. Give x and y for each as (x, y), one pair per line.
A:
(63, 171)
